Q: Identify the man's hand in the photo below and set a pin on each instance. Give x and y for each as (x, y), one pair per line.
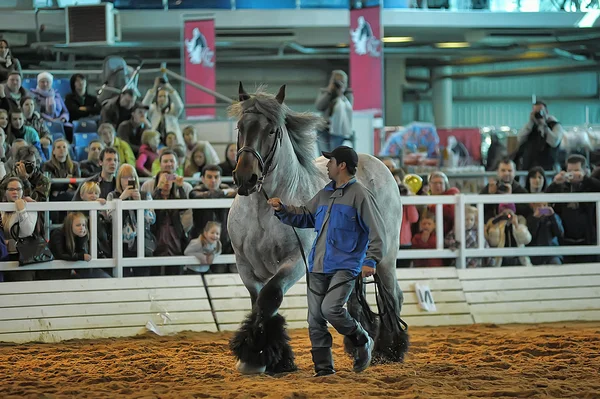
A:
(276, 204)
(560, 178)
(367, 271)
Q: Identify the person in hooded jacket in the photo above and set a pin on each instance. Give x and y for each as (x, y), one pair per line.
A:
(8, 63)
(79, 102)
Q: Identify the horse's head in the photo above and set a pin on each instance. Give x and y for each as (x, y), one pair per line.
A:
(259, 134)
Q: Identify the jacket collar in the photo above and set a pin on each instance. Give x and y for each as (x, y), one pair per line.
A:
(331, 186)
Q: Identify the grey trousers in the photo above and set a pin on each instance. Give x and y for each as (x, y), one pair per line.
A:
(330, 307)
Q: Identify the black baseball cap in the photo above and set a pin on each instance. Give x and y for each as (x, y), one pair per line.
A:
(343, 154)
(140, 106)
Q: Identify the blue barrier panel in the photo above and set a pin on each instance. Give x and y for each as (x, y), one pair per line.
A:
(265, 4)
(324, 4)
(215, 4)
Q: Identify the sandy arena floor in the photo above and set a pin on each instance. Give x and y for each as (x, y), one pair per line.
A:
(483, 361)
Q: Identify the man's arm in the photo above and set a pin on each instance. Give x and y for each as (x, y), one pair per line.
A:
(524, 132)
(553, 132)
(299, 216)
(372, 222)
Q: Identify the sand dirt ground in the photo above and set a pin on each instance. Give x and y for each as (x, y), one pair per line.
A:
(480, 361)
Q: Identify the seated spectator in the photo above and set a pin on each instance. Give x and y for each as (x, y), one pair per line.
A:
(426, 239)
(203, 154)
(60, 166)
(48, 101)
(148, 153)
(546, 229)
(171, 140)
(128, 189)
(10, 161)
(3, 119)
(230, 162)
(206, 247)
(26, 220)
(167, 161)
(179, 152)
(410, 215)
(190, 137)
(439, 185)
(118, 109)
(171, 237)
(504, 183)
(4, 152)
(79, 103)
(579, 218)
(33, 119)
(91, 166)
(8, 63)
(211, 187)
(131, 130)
(508, 230)
(165, 108)
(90, 191)
(536, 180)
(28, 168)
(109, 162)
(18, 130)
(108, 135)
(12, 91)
(471, 238)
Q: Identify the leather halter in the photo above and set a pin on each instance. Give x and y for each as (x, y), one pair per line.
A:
(263, 163)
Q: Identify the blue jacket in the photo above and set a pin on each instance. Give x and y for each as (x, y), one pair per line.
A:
(348, 226)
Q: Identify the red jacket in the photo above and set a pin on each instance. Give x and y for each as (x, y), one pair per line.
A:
(417, 243)
(447, 210)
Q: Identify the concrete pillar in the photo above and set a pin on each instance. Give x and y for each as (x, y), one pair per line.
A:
(393, 86)
(441, 97)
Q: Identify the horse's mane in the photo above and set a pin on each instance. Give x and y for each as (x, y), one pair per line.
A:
(301, 126)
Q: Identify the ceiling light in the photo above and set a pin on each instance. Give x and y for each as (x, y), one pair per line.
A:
(341, 45)
(452, 45)
(398, 39)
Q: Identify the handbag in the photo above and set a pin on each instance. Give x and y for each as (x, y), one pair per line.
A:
(130, 223)
(32, 249)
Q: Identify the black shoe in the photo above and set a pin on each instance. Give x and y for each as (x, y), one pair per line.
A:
(323, 360)
(362, 355)
(324, 373)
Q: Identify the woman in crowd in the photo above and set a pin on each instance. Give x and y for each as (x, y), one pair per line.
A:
(33, 119)
(79, 103)
(3, 119)
(165, 108)
(203, 154)
(18, 130)
(26, 221)
(508, 230)
(229, 164)
(60, 166)
(190, 137)
(148, 153)
(536, 180)
(439, 185)
(8, 63)
(49, 102)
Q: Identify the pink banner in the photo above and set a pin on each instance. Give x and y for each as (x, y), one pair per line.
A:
(366, 59)
(199, 66)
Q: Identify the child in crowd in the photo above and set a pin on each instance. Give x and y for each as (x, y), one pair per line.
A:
(190, 138)
(471, 240)
(171, 140)
(148, 153)
(508, 230)
(426, 239)
(410, 215)
(70, 242)
(546, 229)
(206, 247)
(90, 191)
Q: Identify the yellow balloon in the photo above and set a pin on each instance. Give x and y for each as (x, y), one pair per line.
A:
(413, 182)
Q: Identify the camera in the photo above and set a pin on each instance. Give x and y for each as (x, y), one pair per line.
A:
(504, 216)
(540, 115)
(29, 167)
(338, 84)
(162, 80)
(501, 187)
(171, 177)
(545, 211)
(569, 176)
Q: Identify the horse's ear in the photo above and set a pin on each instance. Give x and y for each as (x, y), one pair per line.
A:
(243, 96)
(281, 95)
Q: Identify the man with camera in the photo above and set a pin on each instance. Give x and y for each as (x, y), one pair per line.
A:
(504, 183)
(539, 139)
(35, 185)
(579, 218)
(335, 103)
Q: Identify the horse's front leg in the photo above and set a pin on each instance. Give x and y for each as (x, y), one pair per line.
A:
(262, 343)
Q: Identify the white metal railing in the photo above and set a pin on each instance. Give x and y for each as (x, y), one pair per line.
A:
(461, 253)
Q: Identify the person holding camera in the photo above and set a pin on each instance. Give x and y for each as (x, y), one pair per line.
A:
(579, 218)
(539, 139)
(508, 230)
(27, 167)
(165, 108)
(335, 103)
(504, 183)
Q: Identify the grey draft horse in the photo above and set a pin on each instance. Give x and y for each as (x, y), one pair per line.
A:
(276, 156)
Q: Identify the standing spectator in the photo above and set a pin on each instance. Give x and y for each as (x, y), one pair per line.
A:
(539, 139)
(230, 162)
(165, 108)
(205, 248)
(27, 220)
(579, 218)
(8, 63)
(79, 103)
(18, 130)
(536, 180)
(28, 169)
(190, 137)
(60, 166)
(168, 163)
(12, 91)
(546, 229)
(335, 103)
(426, 238)
(49, 102)
(118, 109)
(471, 238)
(439, 185)
(108, 135)
(148, 153)
(109, 161)
(504, 183)
(131, 130)
(508, 230)
(410, 215)
(91, 165)
(203, 154)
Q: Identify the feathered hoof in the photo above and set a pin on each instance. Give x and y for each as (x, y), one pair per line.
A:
(249, 369)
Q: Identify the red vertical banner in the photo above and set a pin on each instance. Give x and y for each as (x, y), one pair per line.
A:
(366, 62)
(199, 53)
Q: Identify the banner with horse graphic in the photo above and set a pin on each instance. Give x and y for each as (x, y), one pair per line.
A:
(198, 52)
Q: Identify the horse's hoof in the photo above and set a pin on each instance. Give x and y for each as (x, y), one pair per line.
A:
(246, 368)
